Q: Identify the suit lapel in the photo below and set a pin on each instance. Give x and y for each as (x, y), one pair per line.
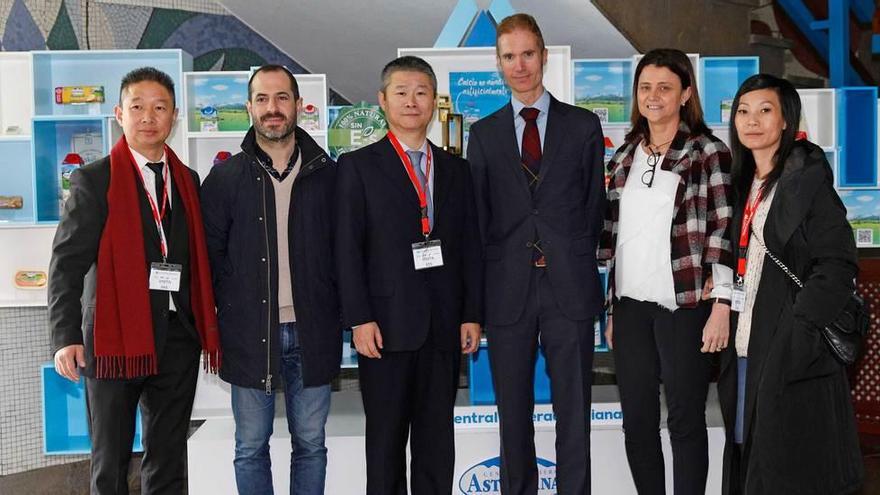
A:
(554, 136)
(507, 142)
(442, 178)
(151, 234)
(178, 238)
(392, 168)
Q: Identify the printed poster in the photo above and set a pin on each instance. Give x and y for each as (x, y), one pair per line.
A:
(476, 95)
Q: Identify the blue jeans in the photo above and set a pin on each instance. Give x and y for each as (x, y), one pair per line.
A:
(307, 409)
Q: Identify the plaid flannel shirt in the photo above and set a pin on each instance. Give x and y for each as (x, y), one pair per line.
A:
(701, 217)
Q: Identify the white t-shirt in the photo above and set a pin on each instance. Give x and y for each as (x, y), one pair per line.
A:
(643, 258)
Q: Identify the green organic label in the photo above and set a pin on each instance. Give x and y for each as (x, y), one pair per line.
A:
(355, 127)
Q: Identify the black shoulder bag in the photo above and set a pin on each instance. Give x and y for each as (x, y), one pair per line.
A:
(845, 335)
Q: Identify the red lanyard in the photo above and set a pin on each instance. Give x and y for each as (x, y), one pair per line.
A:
(748, 216)
(423, 197)
(158, 214)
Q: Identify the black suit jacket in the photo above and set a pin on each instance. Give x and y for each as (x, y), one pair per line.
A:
(73, 267)
(378, 220)
(565, 212)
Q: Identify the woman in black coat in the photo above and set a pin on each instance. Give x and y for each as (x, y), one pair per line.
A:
(785, 399)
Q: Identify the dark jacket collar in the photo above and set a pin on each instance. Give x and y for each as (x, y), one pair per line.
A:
(392, 167)
(554, 135)
(310, 149)
(805, 169)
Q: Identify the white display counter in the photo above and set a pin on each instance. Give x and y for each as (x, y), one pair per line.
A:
(210, 449)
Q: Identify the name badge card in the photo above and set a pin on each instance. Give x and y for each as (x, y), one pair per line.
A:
(165, 276)
(427, 254)
(738, 299)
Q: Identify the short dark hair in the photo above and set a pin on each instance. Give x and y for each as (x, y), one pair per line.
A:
(408, 63)
(274, 68)
(142, 74)
(680, 65)
(522, 21)
(743, 162)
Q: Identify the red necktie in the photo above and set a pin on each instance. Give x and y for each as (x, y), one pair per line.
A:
(531, 146)
(531, 160)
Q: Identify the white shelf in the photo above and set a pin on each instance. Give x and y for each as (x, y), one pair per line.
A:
(16, 88)
(819, 110)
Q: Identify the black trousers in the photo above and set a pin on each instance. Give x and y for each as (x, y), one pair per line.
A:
(653, 344)
(568, 349)
(410, 395)
(166, 401)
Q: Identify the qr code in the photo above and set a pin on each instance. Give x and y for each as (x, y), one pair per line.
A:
(602, 113)
(864, 236)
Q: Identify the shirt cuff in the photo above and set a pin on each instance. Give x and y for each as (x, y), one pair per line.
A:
(722, 279)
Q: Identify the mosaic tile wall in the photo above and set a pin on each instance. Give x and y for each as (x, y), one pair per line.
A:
(203, 28)
(24, 346)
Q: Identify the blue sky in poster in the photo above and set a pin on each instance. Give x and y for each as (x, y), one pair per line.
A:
(220, 90)
(595, 78)
(861, 204)
(476, 95)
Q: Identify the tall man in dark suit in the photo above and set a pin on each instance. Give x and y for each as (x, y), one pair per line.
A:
(410, 281)
(537, 169)
(130, 301)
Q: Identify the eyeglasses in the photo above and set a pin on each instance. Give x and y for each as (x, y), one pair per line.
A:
(648, 175)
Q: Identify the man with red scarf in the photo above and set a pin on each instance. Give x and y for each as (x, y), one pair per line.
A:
(130, 301)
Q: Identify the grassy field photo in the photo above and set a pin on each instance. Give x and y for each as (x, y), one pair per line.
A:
(603, 88)
(863, 213)
(226, 94)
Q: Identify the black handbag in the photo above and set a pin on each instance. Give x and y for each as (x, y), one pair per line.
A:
(845, 335)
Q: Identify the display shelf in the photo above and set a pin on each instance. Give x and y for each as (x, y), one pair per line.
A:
(831, 156)
(819, 114)
(313, 91)
(53, 139)
(105, 68)
(720, 78)
(857, 135)
(225, 92)
(203, 148)
(604, 86)
(25, 248)
(615, 135)
(16, 86)
(65, 422)
(18, 178)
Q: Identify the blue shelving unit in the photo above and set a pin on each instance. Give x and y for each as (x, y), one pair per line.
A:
(18, 178)
(720, 78)
(857, 136)
(65, 421)
(53, 139)
(98, 68)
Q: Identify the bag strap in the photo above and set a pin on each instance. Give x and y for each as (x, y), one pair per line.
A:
(779, 263)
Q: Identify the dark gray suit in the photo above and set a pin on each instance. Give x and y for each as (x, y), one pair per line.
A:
(557, 302)
(166, 398)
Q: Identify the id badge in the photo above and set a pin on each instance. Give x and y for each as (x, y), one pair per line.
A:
(165, 276)
(427, 254)
(738, 299)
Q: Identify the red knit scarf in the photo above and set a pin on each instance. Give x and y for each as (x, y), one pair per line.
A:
(124, 345)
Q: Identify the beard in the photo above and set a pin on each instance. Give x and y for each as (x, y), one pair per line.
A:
(277, 134)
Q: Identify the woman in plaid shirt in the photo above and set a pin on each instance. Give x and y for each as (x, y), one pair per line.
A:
(665, 239)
